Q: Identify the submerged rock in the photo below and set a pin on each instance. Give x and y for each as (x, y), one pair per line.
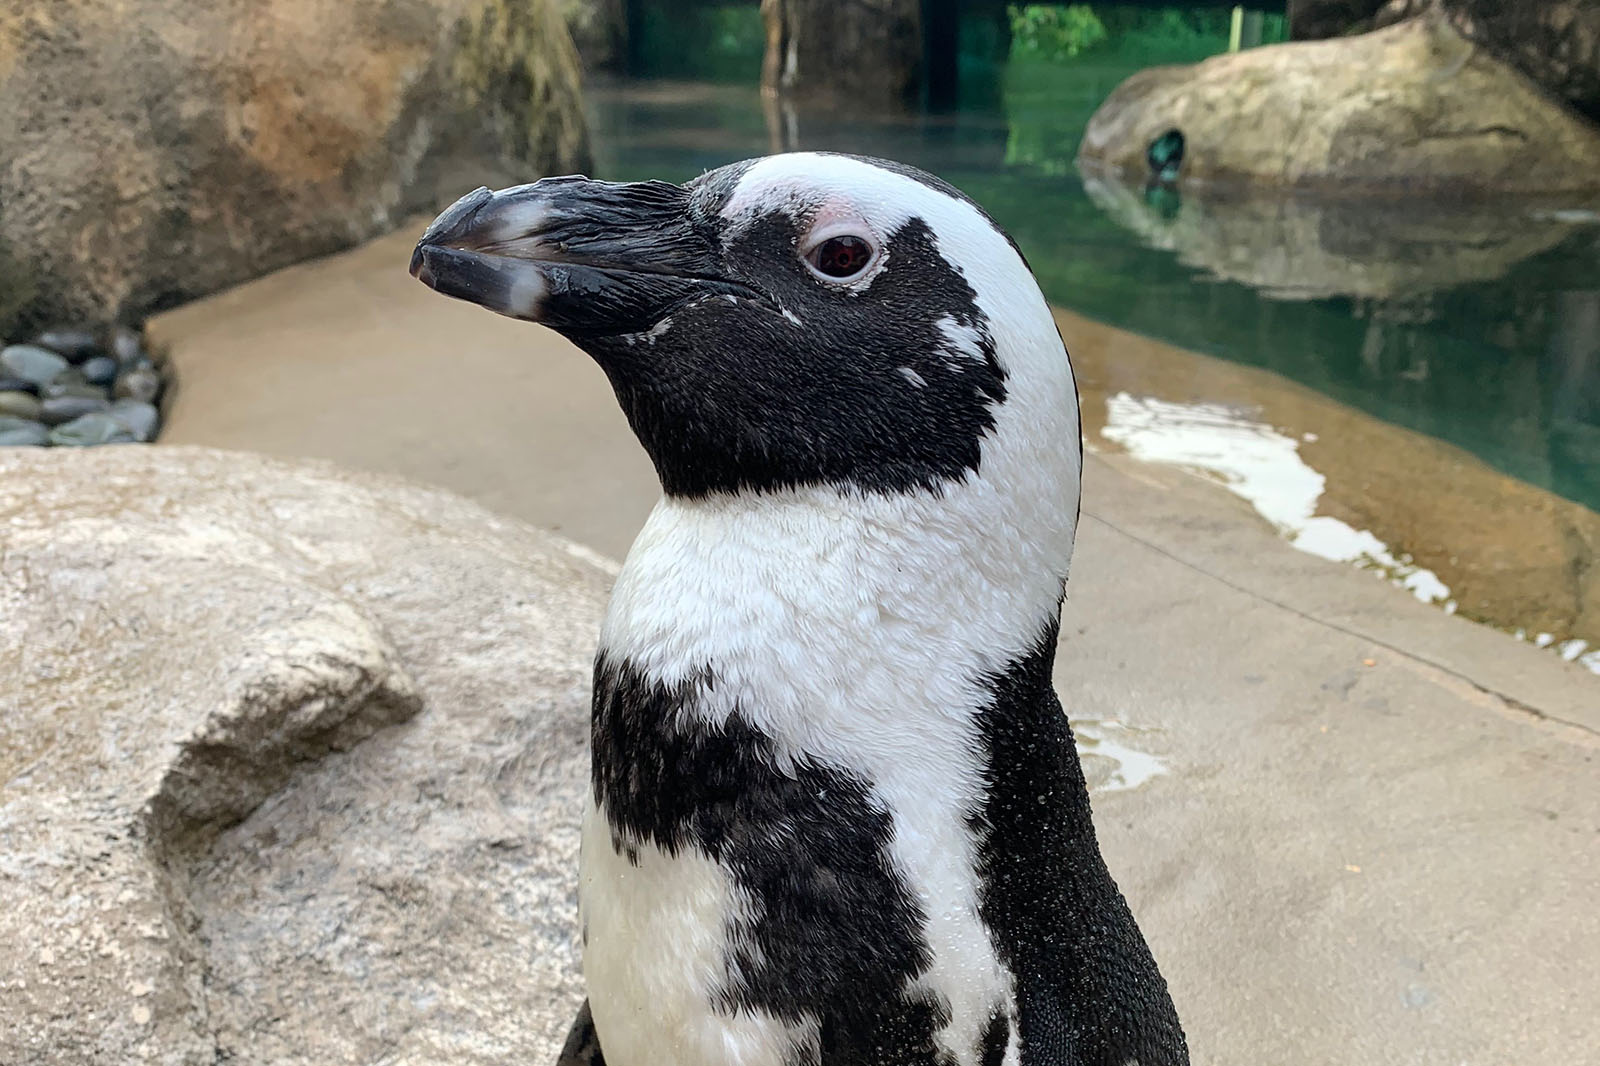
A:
(1412, 107)
(293, 766)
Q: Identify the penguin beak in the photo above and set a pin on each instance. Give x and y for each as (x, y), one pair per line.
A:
(586, 258)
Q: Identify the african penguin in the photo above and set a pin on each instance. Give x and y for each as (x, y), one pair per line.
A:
(836, 814)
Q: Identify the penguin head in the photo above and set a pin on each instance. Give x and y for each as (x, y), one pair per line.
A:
(798, 320)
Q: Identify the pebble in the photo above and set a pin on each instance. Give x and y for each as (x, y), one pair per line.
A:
(19, 405)
(72, 384)
(31, 363)
(59, 409)
(73, 343)
(99, 370)
(58, 388)
(142, 419)
(126, 346)
(21, 431)
(139, 382)
(91, 429)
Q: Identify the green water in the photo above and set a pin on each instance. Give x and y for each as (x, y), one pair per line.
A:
(1476, 324)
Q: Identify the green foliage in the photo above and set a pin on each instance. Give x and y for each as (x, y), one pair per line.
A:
(1054, 32)
(708, 43)
(1060, 32)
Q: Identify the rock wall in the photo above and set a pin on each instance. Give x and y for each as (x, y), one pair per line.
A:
(600, 30)
(291, 766)
(1554, 42)
(156, 150)
(864, 54)
(1414, 107)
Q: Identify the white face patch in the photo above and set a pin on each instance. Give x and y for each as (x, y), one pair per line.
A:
(965, 342)
(515, 218)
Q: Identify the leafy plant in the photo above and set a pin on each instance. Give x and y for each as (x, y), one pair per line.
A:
(1053, 31)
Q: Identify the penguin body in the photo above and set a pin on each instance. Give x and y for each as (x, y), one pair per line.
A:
(836, 817)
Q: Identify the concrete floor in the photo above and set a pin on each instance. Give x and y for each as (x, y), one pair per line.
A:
(1373, 836)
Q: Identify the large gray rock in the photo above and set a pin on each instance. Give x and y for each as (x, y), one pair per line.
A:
(1409, 108)
(155, 150)
(292, 762)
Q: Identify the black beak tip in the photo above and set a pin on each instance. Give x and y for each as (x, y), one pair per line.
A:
(419, 265)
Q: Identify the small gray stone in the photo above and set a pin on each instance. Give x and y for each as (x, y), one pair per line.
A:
(99, 370)
(91, 429)
(31, 363)
(140, 382)
(19, 405)
(142, 419)
(13, 384)
(21, 431)
(58, 409)
(71, 383)
(127, 347)
(71, 342)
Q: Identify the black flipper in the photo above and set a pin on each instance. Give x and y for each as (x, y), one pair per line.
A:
(583, 1046)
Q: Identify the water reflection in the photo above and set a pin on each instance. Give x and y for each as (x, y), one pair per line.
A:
(1295, 248)
(1474, 327)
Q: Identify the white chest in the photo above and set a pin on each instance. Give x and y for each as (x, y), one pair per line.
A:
(822, 629)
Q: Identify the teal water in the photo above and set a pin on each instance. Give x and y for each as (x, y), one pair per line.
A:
(1478, 325)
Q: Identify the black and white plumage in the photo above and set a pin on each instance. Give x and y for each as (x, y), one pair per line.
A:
(837, 816)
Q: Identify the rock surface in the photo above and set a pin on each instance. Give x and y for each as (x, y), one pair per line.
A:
(1412, 107)
(600, 30)
(866, 54)
(1554, 42)
(291, 765)
(151, 151)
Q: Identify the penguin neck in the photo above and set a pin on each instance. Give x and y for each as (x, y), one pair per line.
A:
(810, 592)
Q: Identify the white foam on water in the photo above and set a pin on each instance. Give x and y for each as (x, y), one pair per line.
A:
(1262, 465)
(1095, 736)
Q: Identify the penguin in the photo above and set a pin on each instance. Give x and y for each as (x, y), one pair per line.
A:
(836, 814)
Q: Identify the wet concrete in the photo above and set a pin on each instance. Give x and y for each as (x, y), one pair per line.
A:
(1356, 829)
(1510, 555)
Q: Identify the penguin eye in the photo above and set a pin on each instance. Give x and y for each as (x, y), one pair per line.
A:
(843, 256)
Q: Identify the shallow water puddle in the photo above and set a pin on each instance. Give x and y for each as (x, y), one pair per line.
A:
(1265, 467)
(1110, 764)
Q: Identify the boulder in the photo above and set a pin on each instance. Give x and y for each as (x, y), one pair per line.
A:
(1412, 107)
(291, 765)
(156, 150)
